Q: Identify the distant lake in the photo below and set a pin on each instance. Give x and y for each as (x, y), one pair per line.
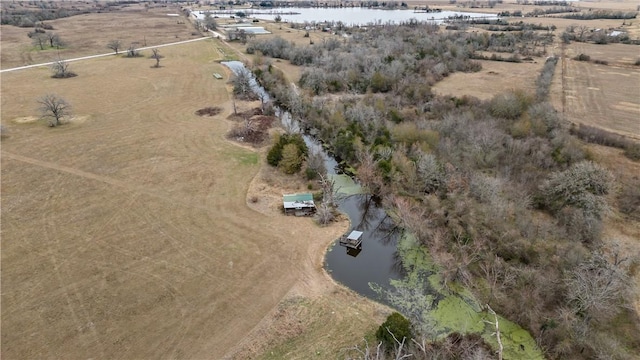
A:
(349, 16)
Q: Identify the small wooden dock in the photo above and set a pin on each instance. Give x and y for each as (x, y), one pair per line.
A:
(353, 240)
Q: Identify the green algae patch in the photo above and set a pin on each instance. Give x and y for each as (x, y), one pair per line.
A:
(442, 311)
(453, 314)
(345, 185)
(414, 256)
(517, 342)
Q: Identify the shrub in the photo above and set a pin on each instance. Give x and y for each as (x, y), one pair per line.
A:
(293, 159)
(521, 128)
(632, 151)
(629, 200)
(580, 226)
(509, 105)
(397, 325)
(380, 83)
(409, 133)
(543, 83)
(582, 57)
(324, 214)
(544, 119)
(310, 174)
(275, 153)
(582, 186)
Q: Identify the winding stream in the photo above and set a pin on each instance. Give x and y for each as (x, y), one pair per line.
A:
(390, 259)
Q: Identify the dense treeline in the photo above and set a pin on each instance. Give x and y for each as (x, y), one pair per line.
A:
(30, 18)
(597, 36)
(601, 14)
(507, 201)
(33, 13)
(407, 62)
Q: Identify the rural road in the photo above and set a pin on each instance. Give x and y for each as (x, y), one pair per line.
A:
(101, 55)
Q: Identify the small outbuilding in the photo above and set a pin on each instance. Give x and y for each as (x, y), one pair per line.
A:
(353, 240)
(298, 204)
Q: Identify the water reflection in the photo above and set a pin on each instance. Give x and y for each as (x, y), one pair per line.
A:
(377, 260)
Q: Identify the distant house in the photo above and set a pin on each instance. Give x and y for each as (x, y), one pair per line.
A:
(298, 204)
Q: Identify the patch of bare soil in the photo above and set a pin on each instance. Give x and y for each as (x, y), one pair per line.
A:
(252, 127)
(78, 119)
(209, 111)
(25, 119)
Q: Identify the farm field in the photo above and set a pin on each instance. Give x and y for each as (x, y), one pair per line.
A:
(606, 96)
(126, 232)
(495, 77)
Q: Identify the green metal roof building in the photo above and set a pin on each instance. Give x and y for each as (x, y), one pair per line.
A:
(298, 204)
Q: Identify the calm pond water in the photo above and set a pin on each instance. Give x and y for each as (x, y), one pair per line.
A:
(377, 260)
(349, 16)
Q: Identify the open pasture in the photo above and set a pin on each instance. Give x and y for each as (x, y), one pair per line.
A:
(126, 232)
(494, 78)
(88, 34)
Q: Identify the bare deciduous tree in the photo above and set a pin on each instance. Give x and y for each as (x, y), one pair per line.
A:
(54, 40)
(242, 85)
(582, 30)
(496, 323)
(54, 108)
(39, 40)
(115, 45)
(61, 69)
(598, 286)
(51, 38)
(326, 211)
(132, 51)
(156, 56)
(209, 21)
(315, 162)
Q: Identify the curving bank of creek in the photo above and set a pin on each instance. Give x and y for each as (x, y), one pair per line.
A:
(392, 260)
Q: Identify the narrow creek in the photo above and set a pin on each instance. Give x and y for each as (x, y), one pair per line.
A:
(389, 259)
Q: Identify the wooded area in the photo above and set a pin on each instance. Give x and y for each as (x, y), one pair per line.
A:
(507, 201)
